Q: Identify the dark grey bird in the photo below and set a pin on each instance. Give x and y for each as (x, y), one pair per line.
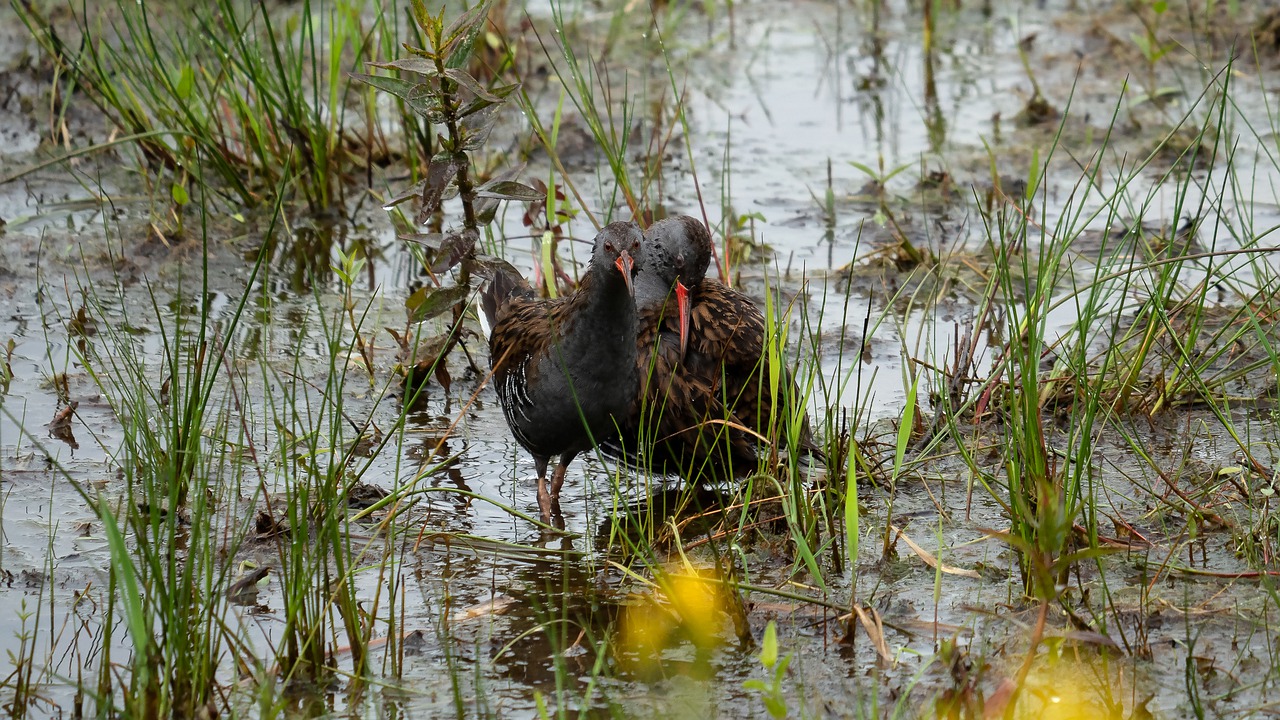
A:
(705, 404)
(565, 368)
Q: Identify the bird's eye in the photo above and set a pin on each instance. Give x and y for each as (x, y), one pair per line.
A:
(608, 247)
(635, 244)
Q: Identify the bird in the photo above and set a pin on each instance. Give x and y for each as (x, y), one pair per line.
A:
(564, 368)
(705, 402)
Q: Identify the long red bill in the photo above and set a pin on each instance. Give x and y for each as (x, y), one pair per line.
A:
(683, 307)
(625, 265)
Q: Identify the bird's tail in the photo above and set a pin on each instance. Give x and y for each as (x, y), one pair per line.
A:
(500, 290)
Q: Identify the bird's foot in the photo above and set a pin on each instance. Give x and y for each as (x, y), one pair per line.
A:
(557, 479)
(545, 503)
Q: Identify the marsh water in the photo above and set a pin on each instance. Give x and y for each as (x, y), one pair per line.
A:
(791, 110)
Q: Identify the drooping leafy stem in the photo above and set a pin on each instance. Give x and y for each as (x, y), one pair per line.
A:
(462, 110)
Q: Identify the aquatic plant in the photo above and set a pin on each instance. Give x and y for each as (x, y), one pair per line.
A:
(166, 581)
(1082, 435)
(770, 690)
(250, 96)
(463, 112)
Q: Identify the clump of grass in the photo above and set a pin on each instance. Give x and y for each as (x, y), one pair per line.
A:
(184, 509)
(167, 581)
(250, 95)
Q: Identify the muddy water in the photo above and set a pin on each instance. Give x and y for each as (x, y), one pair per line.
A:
(774, 99)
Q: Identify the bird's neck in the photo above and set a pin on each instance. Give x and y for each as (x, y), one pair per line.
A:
(651, 292)
(605, 321)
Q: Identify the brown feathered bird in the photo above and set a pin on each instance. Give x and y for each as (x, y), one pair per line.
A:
(565, 369)
(705, 404)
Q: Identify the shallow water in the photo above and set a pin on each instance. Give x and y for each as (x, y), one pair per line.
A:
(772, 103)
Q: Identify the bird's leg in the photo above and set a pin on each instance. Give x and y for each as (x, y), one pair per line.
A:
(544, 498)
(557, 479)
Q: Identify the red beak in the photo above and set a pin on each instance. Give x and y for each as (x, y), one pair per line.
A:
(625, 266)
(686, 312)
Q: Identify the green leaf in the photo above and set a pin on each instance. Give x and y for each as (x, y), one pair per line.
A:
(757, 685)
(440, 173)
(463, 78)
(457, 246)
(1033, 175)
(769, 645)
(806, 554)
(874, 175)
(478, 13)
(509, 190)
(480, 103)
(431, 240)
(395, 86)
(423, 18)
(428, 302)
(486, 210)
(123, 565)
(461, 35)
(851, 533)
(417, 95)
(405, 195)
(413, 63)
(348, 266)
(782, 667)
(548, 263)
(895, 172)
(186, 81)
(1139, 99)
(776, 706)
(476, 128)
(179, 195)
(904, 428)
